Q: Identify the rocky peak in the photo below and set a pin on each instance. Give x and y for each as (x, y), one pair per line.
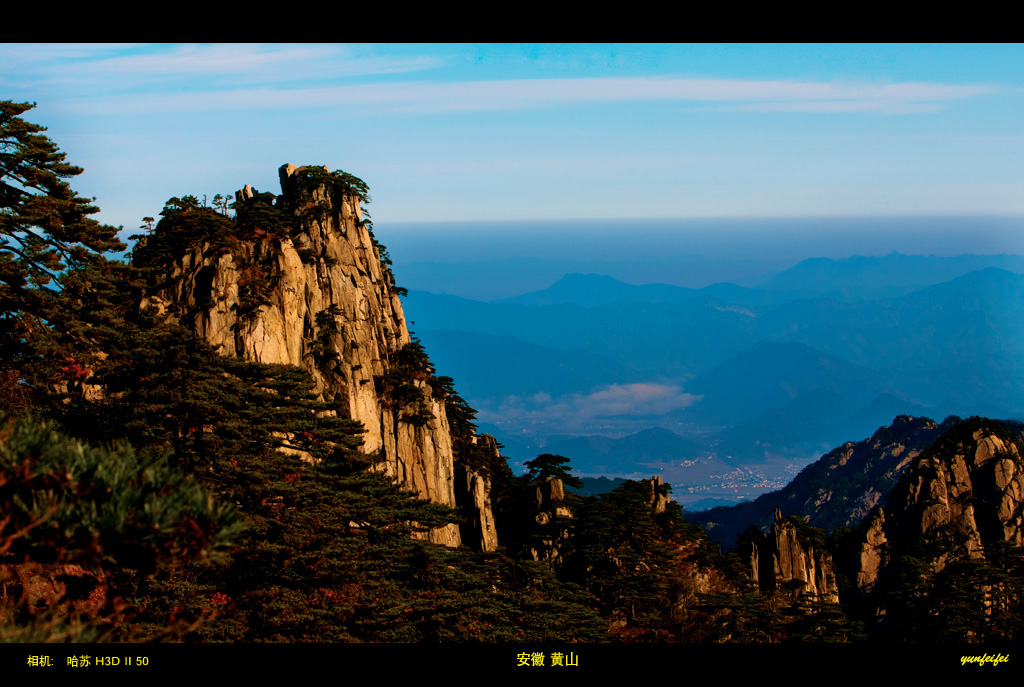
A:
(306, 284)
(549, 511)
(785, 560)
(873, 551)
(963, 491)
(550, 496)
(659, 494)
(970, 482)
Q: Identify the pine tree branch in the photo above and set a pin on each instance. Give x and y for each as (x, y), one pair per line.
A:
(51, 275)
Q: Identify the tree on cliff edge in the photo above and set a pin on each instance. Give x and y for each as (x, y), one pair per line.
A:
(47, 239)
(548, 465)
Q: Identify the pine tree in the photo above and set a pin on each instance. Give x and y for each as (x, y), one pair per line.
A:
(76, 517)
(627, 556)
(47, 237)
(547, 465)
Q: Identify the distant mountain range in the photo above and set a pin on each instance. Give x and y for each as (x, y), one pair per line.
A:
(589, 290)
(826, 350)
(882, 277)
(770, 375)
(968, 325)
(855, 278)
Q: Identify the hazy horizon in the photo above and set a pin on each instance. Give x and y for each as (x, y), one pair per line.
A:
(487, 261)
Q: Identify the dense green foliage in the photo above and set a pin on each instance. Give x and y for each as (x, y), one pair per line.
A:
(45, 227)
(980, 600)
(626, 554)
(105, 507)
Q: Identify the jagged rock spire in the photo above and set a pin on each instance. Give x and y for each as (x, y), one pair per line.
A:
(331, 308)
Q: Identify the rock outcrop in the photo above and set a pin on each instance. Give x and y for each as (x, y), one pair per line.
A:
(474, 498)
(320, 295)
(873, 551)
(659, 494)
(549, 511)
(963, 493)
(784, 560)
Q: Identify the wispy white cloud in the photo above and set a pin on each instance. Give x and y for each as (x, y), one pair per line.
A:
(209, 77)
(262, 62)
(851, 106)
(518, 94)
(43, 53)
(123, 68)
(579, 409)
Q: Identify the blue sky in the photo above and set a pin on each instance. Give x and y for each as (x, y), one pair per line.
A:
(455, 133)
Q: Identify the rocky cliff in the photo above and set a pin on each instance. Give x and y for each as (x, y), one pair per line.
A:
(785, 559)
(943, 560)
(963, 494)
(299, 279)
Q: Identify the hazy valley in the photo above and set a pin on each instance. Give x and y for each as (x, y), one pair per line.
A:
(727, 391)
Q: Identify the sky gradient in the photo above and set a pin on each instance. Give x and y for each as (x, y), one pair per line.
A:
(463, 133)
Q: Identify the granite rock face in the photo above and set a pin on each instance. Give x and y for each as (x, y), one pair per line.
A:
(474, 496)
(332, 309)
(873, 551)
(785, 560)
(963, 493)
(972, 485)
